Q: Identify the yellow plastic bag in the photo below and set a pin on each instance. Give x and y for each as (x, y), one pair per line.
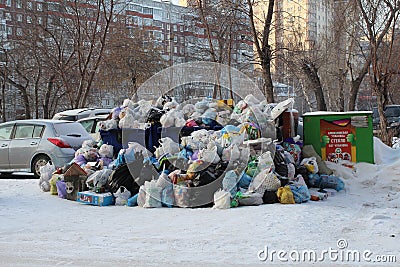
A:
(53, 181)
(285, 195)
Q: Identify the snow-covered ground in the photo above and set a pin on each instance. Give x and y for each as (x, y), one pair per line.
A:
(38, 229)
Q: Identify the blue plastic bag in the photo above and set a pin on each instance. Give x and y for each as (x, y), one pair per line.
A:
(300, 193)
(229, 183)
(244, 181)
(132, 201)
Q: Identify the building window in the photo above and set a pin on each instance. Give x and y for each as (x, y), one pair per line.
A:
(8, 3)
(8, 16)
(19, 17)
(175, 28)
(147, 22)
(19, 32)
(175, 39)
(18, 4)
(39, 7)
(29, 5)
(9, 30)
(29, 19)
(175, 49)
(40, 20)
(147, 10)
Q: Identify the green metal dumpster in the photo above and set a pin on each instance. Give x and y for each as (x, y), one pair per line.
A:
(339, 136)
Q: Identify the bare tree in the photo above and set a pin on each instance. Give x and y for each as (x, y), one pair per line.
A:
(223, 22)
(88, 29)
(131, 57)
(380, 22)
(261, 41)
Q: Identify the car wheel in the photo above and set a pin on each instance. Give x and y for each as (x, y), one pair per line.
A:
(38, 162)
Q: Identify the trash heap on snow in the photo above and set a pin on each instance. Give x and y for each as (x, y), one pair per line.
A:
(199, 154)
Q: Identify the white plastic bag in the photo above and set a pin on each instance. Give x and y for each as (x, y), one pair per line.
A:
(265, 161)
(128, 122)
(108, 125)
(263, 181)
(153, 195)
(209, 155)
(46, 172)
(310, 164)
(163, 180)
(121, 196)
(222, 199)
(167, 120)
(169, 146)
(99, 178)
(231, 153)
(106, 151)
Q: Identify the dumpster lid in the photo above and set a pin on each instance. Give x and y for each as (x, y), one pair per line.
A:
(352, 113)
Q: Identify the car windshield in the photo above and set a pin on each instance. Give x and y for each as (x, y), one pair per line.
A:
(392, 112)
(70, 129)
(64, 117)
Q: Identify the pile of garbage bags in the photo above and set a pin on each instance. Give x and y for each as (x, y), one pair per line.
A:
(203, 154)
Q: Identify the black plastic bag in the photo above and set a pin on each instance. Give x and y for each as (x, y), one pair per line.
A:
(122, 176)
(270, 197)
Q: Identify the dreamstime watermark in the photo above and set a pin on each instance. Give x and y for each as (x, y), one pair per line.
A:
(339, 254)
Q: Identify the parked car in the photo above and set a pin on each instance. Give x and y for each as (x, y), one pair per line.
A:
(80, 113)
(392, 114)
(91, 124)
(26, 145)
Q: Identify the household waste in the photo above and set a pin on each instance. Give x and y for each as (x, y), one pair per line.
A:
(163, 153)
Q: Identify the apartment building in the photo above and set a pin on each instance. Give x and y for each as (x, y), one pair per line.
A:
(171, 25)
(297, 23)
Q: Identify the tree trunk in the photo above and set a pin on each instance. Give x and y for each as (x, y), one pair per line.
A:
(3, 100)
(355, 87)
(312, 74)
(46, 101)
(268, 87)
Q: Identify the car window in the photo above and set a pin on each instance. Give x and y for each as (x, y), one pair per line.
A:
(37, 131)
(392, 112)
(24, 131)
(70, 129)
(66, 117)
(97, 126)
(88, 125)
(5, 132)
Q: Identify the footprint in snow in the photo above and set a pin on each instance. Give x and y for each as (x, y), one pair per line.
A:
(380, 217)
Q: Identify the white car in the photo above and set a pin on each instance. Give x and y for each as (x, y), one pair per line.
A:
(80, 113)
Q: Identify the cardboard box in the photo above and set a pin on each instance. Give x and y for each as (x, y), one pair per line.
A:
(75, 179)
(96, 199)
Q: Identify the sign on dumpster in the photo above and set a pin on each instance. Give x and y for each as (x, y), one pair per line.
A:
(338, 140)
(338, 136)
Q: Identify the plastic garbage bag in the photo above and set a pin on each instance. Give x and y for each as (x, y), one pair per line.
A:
(222, 199)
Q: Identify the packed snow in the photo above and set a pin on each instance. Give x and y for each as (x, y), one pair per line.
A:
(39, 229)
